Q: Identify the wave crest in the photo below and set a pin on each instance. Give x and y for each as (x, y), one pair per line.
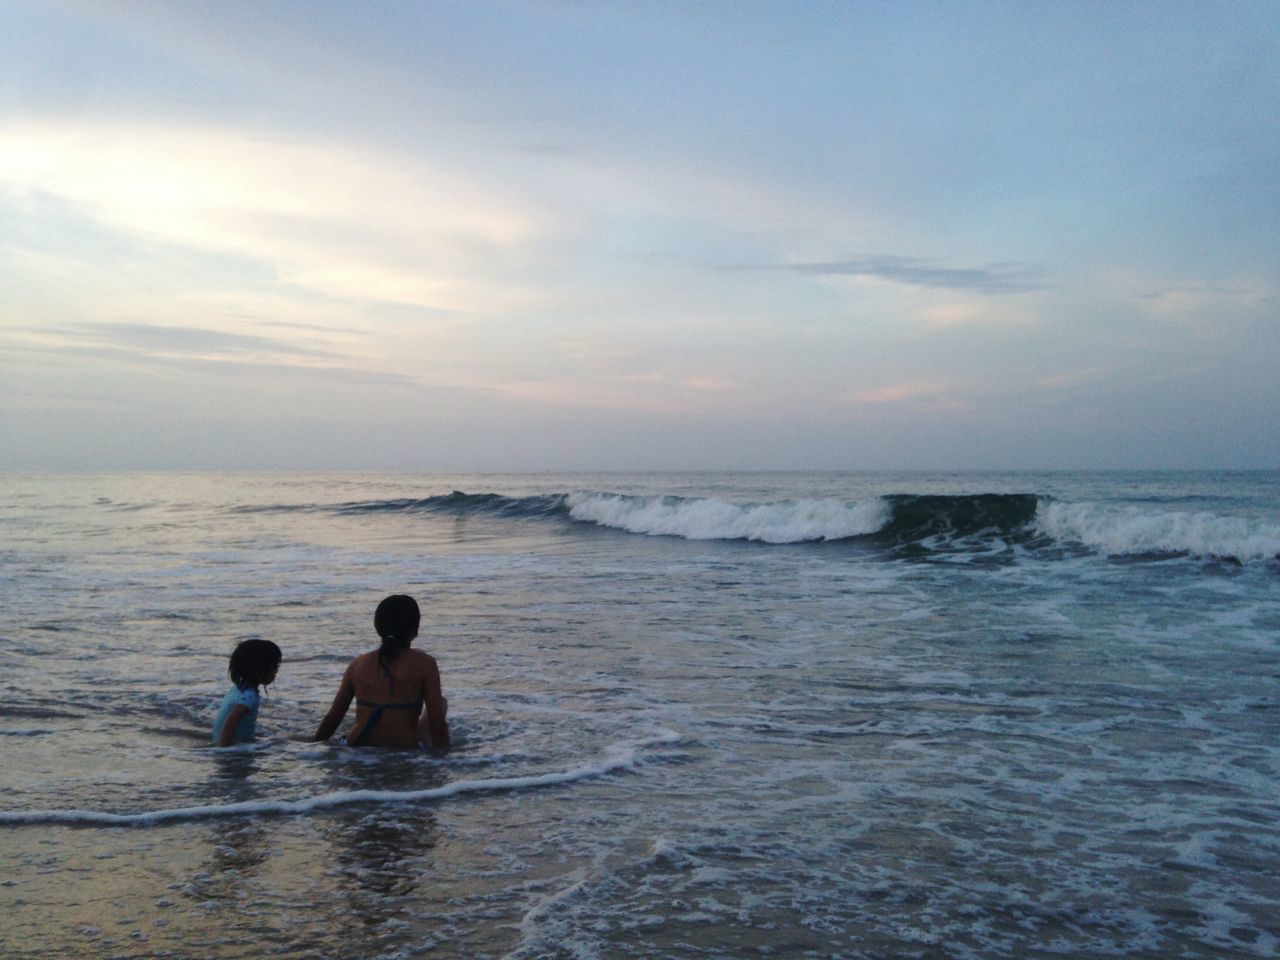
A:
(911, 524)
(459, 503)
(712, 519)
(1121, 530)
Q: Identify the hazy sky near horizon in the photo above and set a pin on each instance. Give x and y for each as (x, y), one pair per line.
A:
(649, 235)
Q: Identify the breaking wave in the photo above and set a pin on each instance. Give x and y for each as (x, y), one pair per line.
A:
(1123, 530)
(903, 523)
(711, 519)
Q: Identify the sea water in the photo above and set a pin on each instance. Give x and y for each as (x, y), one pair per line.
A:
(695, 715)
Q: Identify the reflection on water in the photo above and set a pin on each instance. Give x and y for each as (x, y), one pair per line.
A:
(232, 773)
(380, 858)
(237, 852)
(344, 882)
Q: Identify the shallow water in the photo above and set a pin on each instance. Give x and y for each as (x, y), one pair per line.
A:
(803, 721)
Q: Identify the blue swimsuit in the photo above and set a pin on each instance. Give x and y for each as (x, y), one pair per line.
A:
(377, 715)
(248, 726)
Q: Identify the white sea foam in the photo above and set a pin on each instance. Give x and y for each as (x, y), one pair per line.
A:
(792, 521)
(1120, 530)
(619, 757)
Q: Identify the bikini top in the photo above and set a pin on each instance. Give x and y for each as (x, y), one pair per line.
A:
(415, 705)
(374, 717)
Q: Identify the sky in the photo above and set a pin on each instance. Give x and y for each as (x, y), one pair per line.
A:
(472, 236)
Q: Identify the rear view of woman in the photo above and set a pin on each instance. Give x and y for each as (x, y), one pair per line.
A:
(396, 688)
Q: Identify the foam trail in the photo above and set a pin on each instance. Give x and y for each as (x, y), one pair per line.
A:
(712, 519)
(622, 756)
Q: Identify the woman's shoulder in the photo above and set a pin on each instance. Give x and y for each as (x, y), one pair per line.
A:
(364, 661)
(415, 662)
(361, 666)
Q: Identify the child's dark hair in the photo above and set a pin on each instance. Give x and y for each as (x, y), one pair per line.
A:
(396, 621)
(253, 662)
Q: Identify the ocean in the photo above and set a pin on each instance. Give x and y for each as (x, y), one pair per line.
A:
(952, 715)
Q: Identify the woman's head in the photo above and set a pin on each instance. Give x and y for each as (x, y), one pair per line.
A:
(397, 619)
(253, 663)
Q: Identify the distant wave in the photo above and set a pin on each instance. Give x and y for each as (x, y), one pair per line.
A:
(490, 504)
(457, 502)
(619, 757)
(903, 523)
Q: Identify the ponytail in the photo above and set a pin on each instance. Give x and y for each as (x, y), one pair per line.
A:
(396, 621)
(392, 646)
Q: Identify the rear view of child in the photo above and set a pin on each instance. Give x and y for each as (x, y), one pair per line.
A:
(253, 664)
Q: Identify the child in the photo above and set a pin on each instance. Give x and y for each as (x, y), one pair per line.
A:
(253, 663)
(396, 689)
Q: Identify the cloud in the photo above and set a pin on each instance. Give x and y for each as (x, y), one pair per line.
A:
(951, 314)
(195, 348)
(929, 391)
(708, 383)
(993, 279)
(111, 358)
(341, 221)
(1247, 296)
(652, 390)
(1082, 377)
(146, 338)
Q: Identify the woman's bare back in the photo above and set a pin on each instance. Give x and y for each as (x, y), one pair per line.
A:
(399, 706)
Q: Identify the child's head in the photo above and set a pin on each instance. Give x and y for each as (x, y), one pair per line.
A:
(254, 663)
(397, 619)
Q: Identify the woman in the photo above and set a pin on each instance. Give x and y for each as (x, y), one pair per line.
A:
(397, 690)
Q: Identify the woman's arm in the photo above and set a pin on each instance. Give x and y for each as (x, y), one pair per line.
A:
(227, 735)
(433, 728)
(341, 701)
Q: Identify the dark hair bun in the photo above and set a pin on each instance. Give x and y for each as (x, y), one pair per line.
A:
(397, 617)
(396, 621)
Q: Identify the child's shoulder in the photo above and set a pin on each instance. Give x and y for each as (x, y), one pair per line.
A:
(249, 696)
